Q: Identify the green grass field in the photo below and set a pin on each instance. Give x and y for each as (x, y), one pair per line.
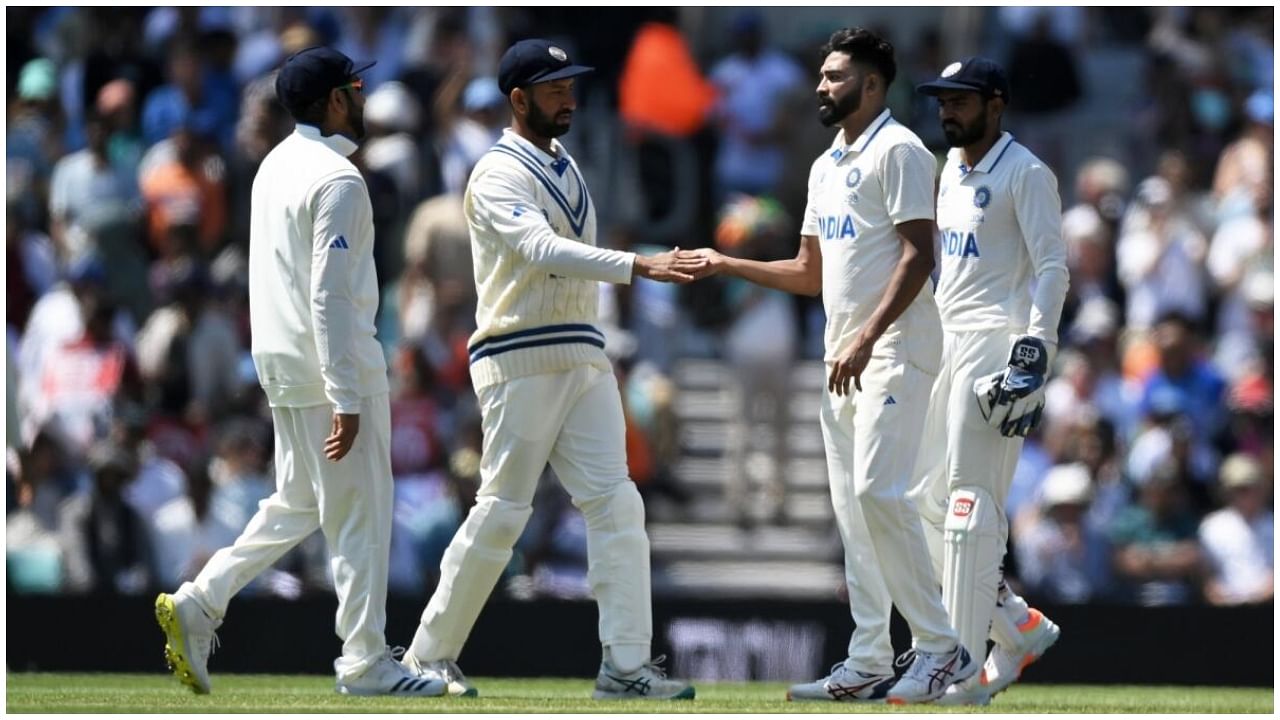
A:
(57, 693)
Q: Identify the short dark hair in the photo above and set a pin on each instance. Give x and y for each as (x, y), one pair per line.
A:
(864, 46)
(312, 114)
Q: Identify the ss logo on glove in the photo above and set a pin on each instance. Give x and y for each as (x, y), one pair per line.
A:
(1013, 399)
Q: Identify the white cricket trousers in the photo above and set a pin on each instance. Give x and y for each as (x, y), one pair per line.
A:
(871, 439)
(963, 451)
(572, 419)
(350, 501)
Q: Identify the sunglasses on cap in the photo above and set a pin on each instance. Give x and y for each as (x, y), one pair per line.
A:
(357, 85)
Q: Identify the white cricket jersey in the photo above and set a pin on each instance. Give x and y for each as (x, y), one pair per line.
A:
(313, 290)
(533, 237)
(1001, 229)
(858, 193)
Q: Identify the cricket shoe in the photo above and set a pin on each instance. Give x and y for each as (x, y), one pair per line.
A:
(388, 677)
(650, 682)
(969, 692)
(930, 674)
(446, 671)
(189, 640)
(844, 685)
(1005, 665)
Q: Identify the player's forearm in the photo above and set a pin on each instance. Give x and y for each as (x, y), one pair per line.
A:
(332, 318)
(908, 278)
(1046, 305)
(790, 275)
(558, 256)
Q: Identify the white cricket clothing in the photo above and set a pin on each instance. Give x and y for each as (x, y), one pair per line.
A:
(871, 439)
(350, 501)
(547, 395)
(312, 298)
(1001, 228)
(572, 420)
(1003, 274)
(313, 291)
(533, 237)
(959, 447)
(858, 193)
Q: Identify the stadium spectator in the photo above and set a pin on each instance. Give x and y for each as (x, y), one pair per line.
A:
(1062, 557)
(43, 478)
(116, 105)
(188, 351)
(158, 480)
(437, 292)
(104, 543)
(184, 189)
(191, 89)
(220, 499)
(416, 419)
(1182, 373)
(392, 121)
(32, 262)
(1245, 166)
(1160, 258)
(1156, 555)
(756, 85)
(87, 193)
(1239, 539)
(33, 134)
(80, 380)
(462, 137)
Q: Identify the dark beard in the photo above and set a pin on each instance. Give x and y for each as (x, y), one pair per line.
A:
(831, 113)
(542, 125)
(960, 136)
(355, 119)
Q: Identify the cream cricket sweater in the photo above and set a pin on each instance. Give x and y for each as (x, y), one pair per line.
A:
(533, 237)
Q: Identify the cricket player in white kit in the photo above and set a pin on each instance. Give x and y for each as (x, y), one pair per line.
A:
(313, 294)
(547, 391)
(1001, 288)
(867, 246)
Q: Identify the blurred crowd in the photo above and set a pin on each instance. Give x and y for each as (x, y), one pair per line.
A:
(138, 439)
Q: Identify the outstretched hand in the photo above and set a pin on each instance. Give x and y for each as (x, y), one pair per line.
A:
(678, 266)
(715, 261)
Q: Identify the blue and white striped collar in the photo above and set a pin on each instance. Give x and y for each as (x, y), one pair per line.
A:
(988, 161)
(839, 148)
(997, 151)
(557, 162)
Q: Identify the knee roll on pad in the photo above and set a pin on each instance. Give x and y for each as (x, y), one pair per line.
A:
(499, 522)
(971, 564)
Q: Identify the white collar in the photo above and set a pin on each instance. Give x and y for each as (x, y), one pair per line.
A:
(547, 159)
(838, 146)
(988, 161)
(340, 144)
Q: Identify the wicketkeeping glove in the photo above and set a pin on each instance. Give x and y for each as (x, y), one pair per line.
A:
(1013, 399)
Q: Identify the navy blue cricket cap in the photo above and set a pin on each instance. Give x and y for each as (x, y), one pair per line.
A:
(975, 74)
(534, 61)
(311, 73)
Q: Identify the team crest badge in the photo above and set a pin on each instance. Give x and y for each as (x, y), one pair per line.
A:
(951, 69)
(853, 178)
(557, 53)
(982, 197)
